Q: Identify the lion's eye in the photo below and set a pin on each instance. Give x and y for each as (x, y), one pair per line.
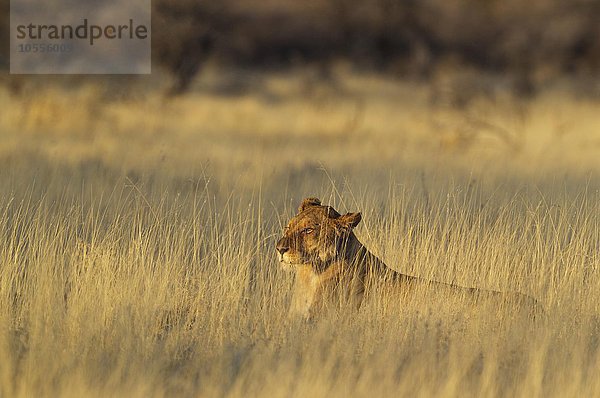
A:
(307, 231)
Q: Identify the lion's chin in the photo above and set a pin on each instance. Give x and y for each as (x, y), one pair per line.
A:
(285, 262)
(288, 267)
(288, 263)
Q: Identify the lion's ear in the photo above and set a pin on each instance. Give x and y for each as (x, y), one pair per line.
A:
(350, 220)
(308, 202)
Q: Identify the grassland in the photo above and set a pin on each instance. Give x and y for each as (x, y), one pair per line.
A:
(137, 238)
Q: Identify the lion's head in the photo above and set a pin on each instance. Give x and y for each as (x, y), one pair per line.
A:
(316, 236)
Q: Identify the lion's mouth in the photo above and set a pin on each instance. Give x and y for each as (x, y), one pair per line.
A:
(287, 259)
(296, 260)
(290, 260)
(286, 263)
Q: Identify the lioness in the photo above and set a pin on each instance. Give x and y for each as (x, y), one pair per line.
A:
(331, 264)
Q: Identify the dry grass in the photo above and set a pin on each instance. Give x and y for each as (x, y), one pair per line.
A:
(137, 235)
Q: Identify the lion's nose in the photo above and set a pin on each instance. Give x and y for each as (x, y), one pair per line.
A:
(282, 247)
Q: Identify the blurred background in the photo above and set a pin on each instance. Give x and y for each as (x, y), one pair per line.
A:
(530, 44)
(534, 43)
(280, 88)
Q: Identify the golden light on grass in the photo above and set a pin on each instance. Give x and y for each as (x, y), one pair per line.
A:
(137, 244)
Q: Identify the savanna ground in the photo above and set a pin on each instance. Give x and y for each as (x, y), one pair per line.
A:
(137, 238)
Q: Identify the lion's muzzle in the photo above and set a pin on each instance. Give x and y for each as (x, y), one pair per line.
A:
(283, 246)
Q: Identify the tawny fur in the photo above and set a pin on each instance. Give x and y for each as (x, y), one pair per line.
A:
(333, 266)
